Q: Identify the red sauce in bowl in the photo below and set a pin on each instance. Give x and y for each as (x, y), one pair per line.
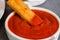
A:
(47, 28)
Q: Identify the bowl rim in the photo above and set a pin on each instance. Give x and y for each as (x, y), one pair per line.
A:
(38, 8)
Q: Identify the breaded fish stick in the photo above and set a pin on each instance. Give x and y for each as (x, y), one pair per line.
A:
(24, 11)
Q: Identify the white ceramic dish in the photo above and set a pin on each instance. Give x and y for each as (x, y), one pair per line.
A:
(2, 7)
(12, 36)
(35, 2)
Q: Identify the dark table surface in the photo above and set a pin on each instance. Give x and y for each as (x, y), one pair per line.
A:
(53, 5)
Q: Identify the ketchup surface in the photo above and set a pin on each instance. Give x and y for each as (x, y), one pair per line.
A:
(23, 29)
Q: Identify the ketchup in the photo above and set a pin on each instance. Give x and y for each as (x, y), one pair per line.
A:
(23, 29)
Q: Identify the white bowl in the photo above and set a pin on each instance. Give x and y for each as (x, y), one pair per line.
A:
(12, 36)
(34, 2)
(2, 8)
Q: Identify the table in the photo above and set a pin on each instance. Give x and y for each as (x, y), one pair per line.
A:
(53, 5)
